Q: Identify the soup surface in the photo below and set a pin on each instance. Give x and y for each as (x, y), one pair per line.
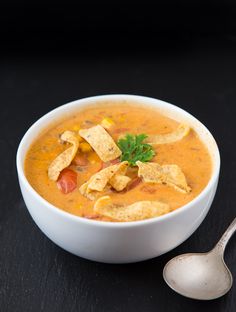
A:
(188, 153)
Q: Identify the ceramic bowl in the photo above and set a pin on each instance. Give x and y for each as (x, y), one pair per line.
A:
(118, 242)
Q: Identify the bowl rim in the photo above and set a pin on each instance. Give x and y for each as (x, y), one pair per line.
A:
(115, 224)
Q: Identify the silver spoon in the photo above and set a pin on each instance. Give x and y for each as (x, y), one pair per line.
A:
(202, 276)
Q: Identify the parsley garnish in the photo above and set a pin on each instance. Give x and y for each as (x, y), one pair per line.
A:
(133, 149)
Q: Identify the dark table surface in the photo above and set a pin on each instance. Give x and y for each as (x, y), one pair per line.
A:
(35, 275)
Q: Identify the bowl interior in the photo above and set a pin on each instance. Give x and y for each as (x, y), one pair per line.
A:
(67, 110)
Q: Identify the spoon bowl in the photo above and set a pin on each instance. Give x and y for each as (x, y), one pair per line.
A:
(202, 276)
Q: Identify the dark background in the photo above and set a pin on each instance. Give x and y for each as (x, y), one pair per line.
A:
(52, 53)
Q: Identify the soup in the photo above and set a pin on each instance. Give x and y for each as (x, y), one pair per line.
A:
(118, 162)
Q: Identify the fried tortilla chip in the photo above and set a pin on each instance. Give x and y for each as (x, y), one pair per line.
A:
(90, 194)
(119, 182)
(172, 137)
(167, 174)
(86, 192)
(65, 158)
(111, 176)
(138, 211)
(101, 142)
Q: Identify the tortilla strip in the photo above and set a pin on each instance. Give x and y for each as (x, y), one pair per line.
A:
(85, 191)
(167, 174)
(65, 158)
(138, 211)
(172, 137)
(101, 142)
(119, 182)
(90, 194)
(111, 176)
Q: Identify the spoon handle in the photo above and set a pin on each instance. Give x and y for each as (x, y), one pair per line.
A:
(220, 246)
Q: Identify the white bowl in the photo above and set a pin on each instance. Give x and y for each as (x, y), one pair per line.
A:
(118, 242)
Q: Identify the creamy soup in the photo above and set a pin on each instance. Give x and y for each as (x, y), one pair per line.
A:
(187, 153)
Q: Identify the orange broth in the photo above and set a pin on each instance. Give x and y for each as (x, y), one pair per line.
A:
(189, 154)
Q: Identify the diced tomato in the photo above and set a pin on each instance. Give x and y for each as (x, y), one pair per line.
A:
(115, 161)
(67, 181)
(135, 182)
(148, 189)
(80, 160)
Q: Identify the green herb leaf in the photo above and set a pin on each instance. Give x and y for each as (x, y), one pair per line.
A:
(133, 149)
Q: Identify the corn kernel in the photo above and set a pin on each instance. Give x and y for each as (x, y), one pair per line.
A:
(93, 158)
(107, 123)
(79, 206)
(76, 128)
(121, 118)
(85, 147)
